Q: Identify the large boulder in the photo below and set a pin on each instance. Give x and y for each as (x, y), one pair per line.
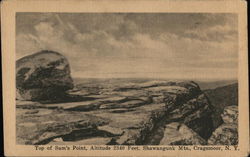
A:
(43, 75)
(227, 133)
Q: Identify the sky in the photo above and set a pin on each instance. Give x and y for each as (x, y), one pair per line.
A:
(135, 45)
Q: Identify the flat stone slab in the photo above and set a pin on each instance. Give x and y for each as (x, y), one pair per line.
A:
(90, 141)
(112, 130)
(113, 99)
(78, 106)
(45, 124)
(169, 89)
(28, 104)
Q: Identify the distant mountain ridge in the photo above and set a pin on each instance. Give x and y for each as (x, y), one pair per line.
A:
(204, 85)
(226, 95)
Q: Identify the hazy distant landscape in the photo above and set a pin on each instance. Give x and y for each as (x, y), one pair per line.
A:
(207, 84)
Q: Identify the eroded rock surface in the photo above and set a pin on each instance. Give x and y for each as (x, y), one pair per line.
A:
(41, 76)
(119, 113)
(40, 126)
(227, 133)
(230, 114)
(221, 97)
(180, 134)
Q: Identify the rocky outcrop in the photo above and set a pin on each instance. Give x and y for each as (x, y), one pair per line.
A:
(230, 114)
(122, 113)
(195, 113)
(42, 76)
(179, 134)
(227, 133)
(221, 97)
(40, 126)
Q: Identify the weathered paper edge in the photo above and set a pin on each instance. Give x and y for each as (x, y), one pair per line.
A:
(8, 9)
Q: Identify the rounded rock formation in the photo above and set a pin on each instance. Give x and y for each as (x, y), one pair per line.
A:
(230, 114)
(42, 76)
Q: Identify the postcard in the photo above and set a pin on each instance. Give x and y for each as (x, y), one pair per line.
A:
(125, 78)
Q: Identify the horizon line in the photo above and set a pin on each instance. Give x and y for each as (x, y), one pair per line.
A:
(218, 79)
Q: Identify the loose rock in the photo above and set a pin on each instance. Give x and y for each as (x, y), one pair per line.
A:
(227, 133)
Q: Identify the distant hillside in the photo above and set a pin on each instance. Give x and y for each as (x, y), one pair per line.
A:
(223, 96)
(220, 98)
(214, 84)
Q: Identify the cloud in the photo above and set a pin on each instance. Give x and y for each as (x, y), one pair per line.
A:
(135, 45)
(216, 33)
(26, 44)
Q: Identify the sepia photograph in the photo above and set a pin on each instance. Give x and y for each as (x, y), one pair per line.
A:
(127, 78)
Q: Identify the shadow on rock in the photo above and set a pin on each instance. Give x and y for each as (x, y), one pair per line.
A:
(66, 98)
